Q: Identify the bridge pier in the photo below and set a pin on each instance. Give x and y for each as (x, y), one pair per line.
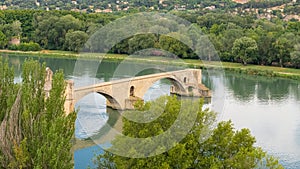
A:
(69, 94)
(192, 91)
(131, 101)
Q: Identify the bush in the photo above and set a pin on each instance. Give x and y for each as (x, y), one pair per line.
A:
(13, 47)
(31, 46)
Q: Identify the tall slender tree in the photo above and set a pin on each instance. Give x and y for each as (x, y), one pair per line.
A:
(35, 132)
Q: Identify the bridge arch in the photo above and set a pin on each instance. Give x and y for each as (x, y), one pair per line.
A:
(177, 85)
(88, 127)
(110, 100)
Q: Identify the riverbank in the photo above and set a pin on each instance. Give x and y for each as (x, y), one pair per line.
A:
(270, 71)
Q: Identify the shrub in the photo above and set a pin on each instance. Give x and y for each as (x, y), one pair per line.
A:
(13, 47)
(31, 46)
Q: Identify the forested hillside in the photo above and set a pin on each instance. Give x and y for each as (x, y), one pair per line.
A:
(142, 5)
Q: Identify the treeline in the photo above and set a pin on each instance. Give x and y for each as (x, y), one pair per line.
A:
(277, 42)
(236, 39)
(264, 42)
(50, 29)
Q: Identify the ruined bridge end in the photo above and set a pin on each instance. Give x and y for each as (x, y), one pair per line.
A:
(69, 105)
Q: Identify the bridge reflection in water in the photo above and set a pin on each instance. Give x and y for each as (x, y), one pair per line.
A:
(105, 134)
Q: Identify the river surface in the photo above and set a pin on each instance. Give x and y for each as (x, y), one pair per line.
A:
(269, 107)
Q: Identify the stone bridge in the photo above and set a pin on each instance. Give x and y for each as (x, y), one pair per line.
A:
(122, 94)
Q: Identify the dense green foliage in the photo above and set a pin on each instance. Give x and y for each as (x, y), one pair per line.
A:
(6, 84)
(141, 5)
(244, 49)
(276, 38)
(295, 56)
(202, 147)
(31, 46)
(75, 40)
(35, 132)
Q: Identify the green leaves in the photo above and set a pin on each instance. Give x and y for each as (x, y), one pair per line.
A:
(3, 40)
(75, 40)
(282, 47)
(295, 55)
(45, 131)
(8, 90)
(141, 42)
(245, 49)
(51, 30)
(202, 147)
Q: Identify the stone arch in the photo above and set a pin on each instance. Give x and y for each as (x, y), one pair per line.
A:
(177, 84)
(110, 100)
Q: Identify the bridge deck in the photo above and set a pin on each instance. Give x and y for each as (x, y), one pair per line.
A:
(129, 79)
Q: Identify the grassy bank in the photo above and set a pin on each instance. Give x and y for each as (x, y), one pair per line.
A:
(259, 70)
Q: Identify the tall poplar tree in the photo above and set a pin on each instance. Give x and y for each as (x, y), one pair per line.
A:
(35, 131)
